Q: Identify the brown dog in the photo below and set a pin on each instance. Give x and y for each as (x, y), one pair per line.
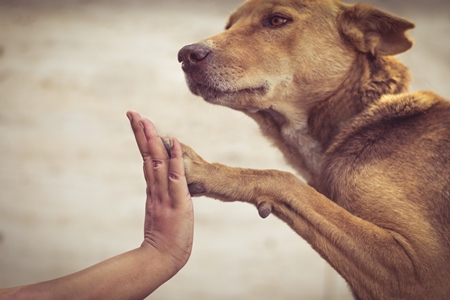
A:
(319, 78)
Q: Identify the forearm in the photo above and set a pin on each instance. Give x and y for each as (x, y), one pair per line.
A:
(131, 275)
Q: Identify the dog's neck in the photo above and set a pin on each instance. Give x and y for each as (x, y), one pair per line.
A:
(367, 81)
(304, 142)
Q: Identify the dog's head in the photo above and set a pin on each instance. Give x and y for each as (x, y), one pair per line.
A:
(279, 53)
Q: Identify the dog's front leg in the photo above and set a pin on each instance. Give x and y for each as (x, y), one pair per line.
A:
(371, 259)
(227, 184)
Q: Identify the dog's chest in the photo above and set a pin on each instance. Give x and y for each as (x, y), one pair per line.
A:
(305, 145)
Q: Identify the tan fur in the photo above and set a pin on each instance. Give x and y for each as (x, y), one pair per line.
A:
(319, 79)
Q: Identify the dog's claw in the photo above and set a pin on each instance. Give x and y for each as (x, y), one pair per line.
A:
(166, 145)
(264, 209)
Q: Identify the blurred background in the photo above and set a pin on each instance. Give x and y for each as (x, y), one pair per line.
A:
(71, 187)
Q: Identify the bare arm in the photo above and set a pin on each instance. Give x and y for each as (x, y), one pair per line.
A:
(168, 234)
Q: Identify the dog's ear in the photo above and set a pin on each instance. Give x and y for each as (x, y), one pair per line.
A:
(373, 31)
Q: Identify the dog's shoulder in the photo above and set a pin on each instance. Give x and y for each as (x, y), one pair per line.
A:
(393, 121)
(398, 136)
(398, 152)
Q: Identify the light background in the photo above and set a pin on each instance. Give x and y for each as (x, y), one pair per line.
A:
(71, 186)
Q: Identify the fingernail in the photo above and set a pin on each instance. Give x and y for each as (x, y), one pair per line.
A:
(171, 142)
(130, 117)
(141, 124)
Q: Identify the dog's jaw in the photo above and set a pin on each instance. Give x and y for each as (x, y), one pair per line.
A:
(226, 94)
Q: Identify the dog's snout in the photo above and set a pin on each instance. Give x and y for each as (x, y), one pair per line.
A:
(193, 54)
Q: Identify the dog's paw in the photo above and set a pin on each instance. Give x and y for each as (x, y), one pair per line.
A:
(196, 169)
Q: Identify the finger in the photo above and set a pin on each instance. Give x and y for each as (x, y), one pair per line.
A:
(158, 162)
(138, 131)
(178, 189)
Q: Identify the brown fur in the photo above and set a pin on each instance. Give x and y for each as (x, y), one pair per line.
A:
(319, 78)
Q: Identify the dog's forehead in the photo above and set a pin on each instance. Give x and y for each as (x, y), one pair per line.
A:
(263, 6)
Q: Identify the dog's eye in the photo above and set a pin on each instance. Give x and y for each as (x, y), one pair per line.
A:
(277, 21)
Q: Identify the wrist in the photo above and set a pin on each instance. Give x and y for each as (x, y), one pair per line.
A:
(160, 260)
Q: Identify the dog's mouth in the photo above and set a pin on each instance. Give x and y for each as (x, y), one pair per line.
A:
(221, 96)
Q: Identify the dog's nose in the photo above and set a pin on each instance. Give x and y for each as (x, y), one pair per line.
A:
(193, 54)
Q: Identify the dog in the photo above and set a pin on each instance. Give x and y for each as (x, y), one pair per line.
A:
(320, 79)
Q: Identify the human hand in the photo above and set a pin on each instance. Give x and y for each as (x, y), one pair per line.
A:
(169, 217)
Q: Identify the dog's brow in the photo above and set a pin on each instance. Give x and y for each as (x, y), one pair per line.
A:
(248, 9)
(280, 7)
(293, 4)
